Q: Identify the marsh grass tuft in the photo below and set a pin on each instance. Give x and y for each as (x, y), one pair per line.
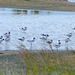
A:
(38, 62)
(48, 62)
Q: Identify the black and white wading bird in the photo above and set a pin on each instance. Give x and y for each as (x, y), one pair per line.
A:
(57, 45)
(73, 29)
(7, 39)
(7, 34)
(31, 41)
(1, 37)
(58, 42)
(50, 42)
(22, 39)
(44, 36)
(1, 40)
(67, 40)
(69, 35)
(7, 43)
(24, 29)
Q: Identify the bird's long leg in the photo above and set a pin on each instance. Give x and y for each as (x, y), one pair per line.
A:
(57, 49)
(31, 46)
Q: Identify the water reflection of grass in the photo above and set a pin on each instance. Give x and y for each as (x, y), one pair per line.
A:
(36, 12)
(17, 11)
(21, 11)
(25, 11)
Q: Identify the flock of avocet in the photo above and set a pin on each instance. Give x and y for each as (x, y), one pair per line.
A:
(6, 37)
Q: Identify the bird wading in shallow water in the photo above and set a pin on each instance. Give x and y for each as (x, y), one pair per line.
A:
(1, 37)
(69, 35)
(58, 44)
(73, 29)
(24, 29)
(7, 34)
(50, 42)
(31, 41)
(67, 40)
(44, 36)
(22, 39)
(7, 39)
(1, 40)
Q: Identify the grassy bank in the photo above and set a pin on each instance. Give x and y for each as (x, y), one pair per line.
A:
(42, 62)
(38, 4)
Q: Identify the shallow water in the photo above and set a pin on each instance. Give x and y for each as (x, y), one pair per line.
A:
(55, 23)
(71, 0)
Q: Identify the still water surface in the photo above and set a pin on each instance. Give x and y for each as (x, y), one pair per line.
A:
(55, 23)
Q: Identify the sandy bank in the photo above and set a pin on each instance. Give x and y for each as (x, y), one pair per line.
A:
(38, 4)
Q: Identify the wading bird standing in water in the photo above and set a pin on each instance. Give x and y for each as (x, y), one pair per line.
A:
(44, 36)
(58, 44)
(1, 37)
(31, 41)
(1, 40)
(50, 42)
(67, 40)
(69, 35)
(7, 34)
(7, 40)
(24, 29)
(22, 39)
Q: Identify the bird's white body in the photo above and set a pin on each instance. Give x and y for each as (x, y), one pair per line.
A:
(22, 39)
(31, 40)
(44, 36)
(7, 39)
(1, 40)
(7, 34)
(57, 45)
(1, 37)
(58, 42)
(67, 40)
(50, 42)
(24, 29)
(69, 35)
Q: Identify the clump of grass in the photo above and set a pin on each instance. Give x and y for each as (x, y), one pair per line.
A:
(11, 65)
(47, 62)
(38, 62)
(36, 12)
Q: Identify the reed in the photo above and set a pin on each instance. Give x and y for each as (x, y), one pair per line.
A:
(48, 62)
(38, 62)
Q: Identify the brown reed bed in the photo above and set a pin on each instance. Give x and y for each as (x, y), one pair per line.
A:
(48, 62)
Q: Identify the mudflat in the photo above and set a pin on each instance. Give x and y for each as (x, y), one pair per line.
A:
(39, 4)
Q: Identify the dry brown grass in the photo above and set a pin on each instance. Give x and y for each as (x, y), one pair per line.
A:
(45, 62)
(39, 4)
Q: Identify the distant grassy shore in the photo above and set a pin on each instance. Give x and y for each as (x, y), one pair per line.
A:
(38, 4)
